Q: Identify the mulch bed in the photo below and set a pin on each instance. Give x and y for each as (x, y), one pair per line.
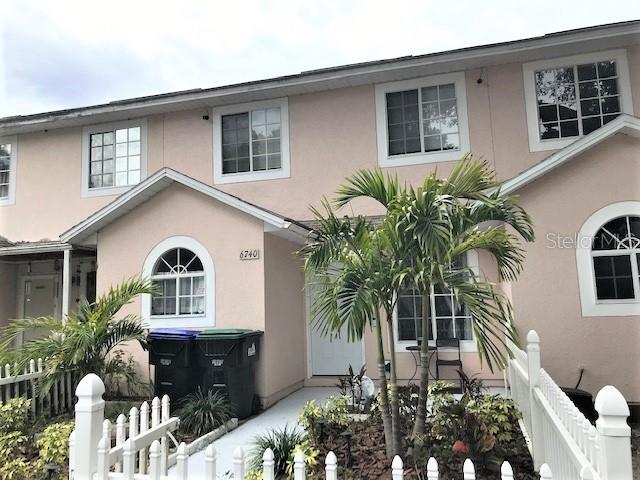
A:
(369, 461)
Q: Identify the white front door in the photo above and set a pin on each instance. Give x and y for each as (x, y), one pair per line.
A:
(333, 356)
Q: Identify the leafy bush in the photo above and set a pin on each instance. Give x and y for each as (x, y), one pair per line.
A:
(203, 412)
(12, 444)
(14, 415)
(500, 414)
(54, 443)
(20, 469)
(281, 442)
(334, 412)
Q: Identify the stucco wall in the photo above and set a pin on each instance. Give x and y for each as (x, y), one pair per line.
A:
(8, 284)
(284, 358)
(546, 297)
(239, 285)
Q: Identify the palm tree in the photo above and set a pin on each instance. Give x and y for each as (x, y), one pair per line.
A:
(85, 339)
(353, 269)
(440, 222)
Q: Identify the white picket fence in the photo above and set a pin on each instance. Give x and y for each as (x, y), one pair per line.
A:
(93, 453)
(559, 434)
(26, 383)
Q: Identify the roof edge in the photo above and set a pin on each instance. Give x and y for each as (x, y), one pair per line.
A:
(625, 123)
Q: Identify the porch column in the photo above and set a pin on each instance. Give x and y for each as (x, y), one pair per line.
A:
(66, 282)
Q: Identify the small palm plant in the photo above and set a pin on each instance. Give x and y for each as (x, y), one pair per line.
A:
(202, 412)
(86, 341)
(281, 442)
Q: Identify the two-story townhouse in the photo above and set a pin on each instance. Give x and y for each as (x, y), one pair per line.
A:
(207, 191)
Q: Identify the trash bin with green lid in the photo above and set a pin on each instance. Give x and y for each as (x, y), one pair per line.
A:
(170, 351)
(228, 357)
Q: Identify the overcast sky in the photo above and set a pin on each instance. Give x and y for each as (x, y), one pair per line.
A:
(60, 54)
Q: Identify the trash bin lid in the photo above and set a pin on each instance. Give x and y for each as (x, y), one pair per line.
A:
(172, 333)
(576, 392)
(227, 333)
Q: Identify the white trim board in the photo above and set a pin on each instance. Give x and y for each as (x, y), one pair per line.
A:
(157, 182)
(625, 124)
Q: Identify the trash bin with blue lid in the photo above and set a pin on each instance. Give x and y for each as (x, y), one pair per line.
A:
(228, 357)
(170, 351)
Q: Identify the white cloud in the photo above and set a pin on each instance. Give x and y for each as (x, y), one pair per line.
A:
(65, 53)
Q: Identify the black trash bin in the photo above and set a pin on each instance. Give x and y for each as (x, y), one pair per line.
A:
(228, 357)
(583, 400)
(170, 351)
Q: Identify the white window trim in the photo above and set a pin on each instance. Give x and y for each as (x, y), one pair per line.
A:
(386, 160)
(591, 306)
(283, 172)
(206, 320)
(86, 156)
(465, 345)
(13, 170)
(528, 72)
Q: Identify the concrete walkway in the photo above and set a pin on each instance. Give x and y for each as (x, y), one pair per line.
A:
(282, 413)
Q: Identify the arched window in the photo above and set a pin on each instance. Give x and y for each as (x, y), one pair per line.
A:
(180, 278)
(183, 270)
(616, 256)
(608, 261)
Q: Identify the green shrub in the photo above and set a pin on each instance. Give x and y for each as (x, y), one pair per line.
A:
(12, 444)
(54, 443)
(499, 414)
(19, 469)
(202, 413)
(335, 412)
(14, 415)
(309, 416)
(281, 442)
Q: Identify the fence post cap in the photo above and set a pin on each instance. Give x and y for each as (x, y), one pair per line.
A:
(210, 452)
(238, 453)
(545, 471)
(610, 401)
(586, 473)
(397, 463)
(505, 469)
(331, 459)
(90, 386)
(468, 467)
(267, 455)
(533, 337)
(432, 465)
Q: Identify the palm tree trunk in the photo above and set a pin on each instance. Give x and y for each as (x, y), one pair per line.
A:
(421, 412)
(384, 392)
(395, 406)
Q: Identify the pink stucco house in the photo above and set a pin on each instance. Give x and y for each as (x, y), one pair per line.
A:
(208, 191)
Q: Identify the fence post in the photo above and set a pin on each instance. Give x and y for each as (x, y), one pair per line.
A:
(432, 469)
(298, 466)
(468, 470)
(210, 463)
(89, 415)
(397, 468)
(72, 454)
(545, 472)
(506, 472)
(331, 466)
(536, 435)
(614, 435)
(268, 466)
(238, 463)
(183, 462)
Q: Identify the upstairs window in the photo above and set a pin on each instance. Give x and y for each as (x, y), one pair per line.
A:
(422, 121)
(8, 146)
(251, 142)
(574, 96)
(114, 157)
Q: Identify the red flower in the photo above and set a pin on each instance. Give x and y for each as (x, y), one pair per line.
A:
(461, 447)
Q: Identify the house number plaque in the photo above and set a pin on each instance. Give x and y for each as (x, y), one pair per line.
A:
(250, 254)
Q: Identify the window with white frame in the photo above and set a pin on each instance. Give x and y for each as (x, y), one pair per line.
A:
(608, 261)
(571, 97)
(114, 157)
(7, 170)
(422, 120)
(448, 317)
(180, 278)
(251, 142)
(616, 259)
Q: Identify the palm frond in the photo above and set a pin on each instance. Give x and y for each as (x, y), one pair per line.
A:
(371, 184)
